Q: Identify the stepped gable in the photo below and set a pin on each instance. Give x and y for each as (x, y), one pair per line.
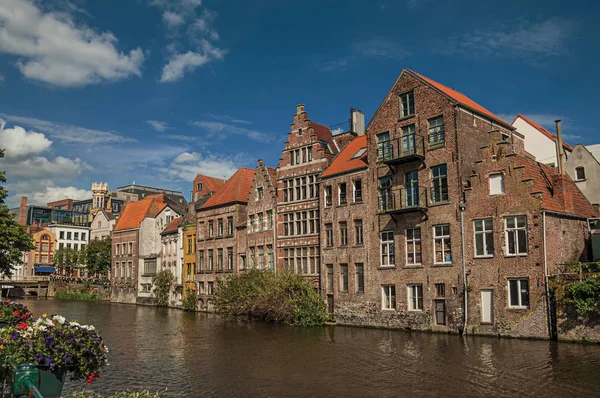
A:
(345, 161)
(236, 190)
(324, 134)
(135, 212)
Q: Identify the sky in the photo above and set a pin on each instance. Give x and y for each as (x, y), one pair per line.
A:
(156, 91)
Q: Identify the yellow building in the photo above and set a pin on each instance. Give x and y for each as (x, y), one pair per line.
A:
(189, 255)
(40, 258)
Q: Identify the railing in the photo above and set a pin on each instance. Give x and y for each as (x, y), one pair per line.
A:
(25, 278)
(401, 200)
(401, 150)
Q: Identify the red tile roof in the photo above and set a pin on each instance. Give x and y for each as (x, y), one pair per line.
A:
(344, 162)
(461, 98)
(172, 227)
(324, 134)
(135, 212)
(541, 130)
(236, 189)
(543, 177)
(212, 183)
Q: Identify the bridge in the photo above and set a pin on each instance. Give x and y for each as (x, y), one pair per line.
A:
(32, 284)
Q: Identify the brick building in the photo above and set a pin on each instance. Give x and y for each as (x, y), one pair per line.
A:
(343, 206)
(309, 149)
(221, 224)
(189, 252)
(169, 255)
(260, 230)
(204, 186)
(39, 259)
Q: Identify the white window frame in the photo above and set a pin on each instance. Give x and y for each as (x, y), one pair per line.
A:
(484, 232)
(414, 241)
(387, 304)
(496, 189)
(387, 244)
(413, 297)
(519, 305)
(443, 239)
(515, 230)
(328, 196)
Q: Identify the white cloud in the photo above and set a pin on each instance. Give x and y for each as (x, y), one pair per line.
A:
(179, 64)
(336, 131)
(39, 167)
(54, 49)
(172, 19)
(69, 133)
(158, 125)
(228, 119)
(179, 137)
(522, 38)
(19, 143)
(219, 130)
(187, 165)
(41, 196)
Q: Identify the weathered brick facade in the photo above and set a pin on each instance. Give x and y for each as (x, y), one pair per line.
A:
(121, 276)
(308, 151)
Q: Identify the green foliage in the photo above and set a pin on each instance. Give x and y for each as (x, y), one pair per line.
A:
(14, 240)
(98, 256)
(585, 296)
(67, 258)
(189, 300)
(162, 282)
(13, 313)
(75, 296)
(120, 394)
(262, 295)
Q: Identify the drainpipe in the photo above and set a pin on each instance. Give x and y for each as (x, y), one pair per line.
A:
(462, 208)
(546, 275)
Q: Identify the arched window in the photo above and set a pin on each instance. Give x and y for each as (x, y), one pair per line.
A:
(579, 173)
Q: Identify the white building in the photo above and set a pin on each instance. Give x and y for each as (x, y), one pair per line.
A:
(73, 236)
(539, 142)
(102, 225)
(584, 168)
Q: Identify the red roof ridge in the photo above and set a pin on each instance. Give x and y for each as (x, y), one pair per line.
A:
(236, 189)
(134, 213)
(541, 129)
(173, 226)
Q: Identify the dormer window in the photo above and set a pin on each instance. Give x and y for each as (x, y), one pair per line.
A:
(579, 173)
(360, 152)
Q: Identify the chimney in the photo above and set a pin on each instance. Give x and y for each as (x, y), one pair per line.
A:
(561, 149)
(357, 121)
(23, 211)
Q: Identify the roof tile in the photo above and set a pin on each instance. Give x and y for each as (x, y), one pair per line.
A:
(344, 161)
(172, 227)
(236, 189)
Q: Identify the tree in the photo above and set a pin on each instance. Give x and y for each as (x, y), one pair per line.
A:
(162, 282)
(98, 256)
(66, 259)
(14, 240)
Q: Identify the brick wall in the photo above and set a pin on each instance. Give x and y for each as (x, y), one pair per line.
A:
(118, 238)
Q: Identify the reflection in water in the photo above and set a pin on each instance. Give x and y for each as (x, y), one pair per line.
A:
(201, 355)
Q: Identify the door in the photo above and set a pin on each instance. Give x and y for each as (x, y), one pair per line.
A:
(412, 188)
(440, 312)
(487, 306)
(384, 146)
(385, 194)
(408, 145)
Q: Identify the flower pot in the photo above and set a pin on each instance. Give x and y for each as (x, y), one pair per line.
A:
(37, 379)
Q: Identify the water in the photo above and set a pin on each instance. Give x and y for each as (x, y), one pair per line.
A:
(201, 355)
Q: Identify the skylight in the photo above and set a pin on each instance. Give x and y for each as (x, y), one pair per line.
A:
(360, 152)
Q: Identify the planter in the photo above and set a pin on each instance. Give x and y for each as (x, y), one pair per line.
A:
(30, 380)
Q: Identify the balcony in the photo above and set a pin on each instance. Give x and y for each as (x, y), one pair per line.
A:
(402, 200)
(401, 150)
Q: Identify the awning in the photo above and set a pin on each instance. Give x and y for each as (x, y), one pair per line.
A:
(45, 269)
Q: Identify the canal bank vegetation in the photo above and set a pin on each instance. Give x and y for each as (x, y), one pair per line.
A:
(189, 300)
(76, 296)
(162, 282)
(120, 394)
(264, 296)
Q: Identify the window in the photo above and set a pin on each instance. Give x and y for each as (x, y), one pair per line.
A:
(61, 234)
(415, 297)
(230, 258)
(579, 174)
(358, 232)
(261, 221)
(269, 219)
(342, 194)
(199, 186)
(118, 270)
(343, 233)
(328, 198)
(344, 278)
(220, 226)
(210, 229)
(360, 278)
(220, 259)
(439, 178)
(388, 297)
(201, 260)
(484, 238)
(82, 246)
(440, 289)
(413, 246)
(387, 249)
(496, 184)
(259, 192)
(189, 244)
(211, 288)
(409, 141)
(230, 226)
(386, 198)
(188, 277)
(211, 260)
(518, 293)
(61, 245)
(329, 278)
(516, 235)
(45, 246)
(271, 256)
(99, 224)
(83, 236)
(261, 257)
(312, 186)
(149, 266)
(407, 104)
(68, 235)
(200, 287)
(441, 244)
(357, 191)
(251, 223)
(129, 269)
(131, 248)
(384, 147)
(360, 152)
(436, 131)
(252, 257)
(328, 235)
(243, 264)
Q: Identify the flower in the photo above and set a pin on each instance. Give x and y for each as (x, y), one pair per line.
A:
(44, 315)
(23, 326)
(13, 313)
(59, 319)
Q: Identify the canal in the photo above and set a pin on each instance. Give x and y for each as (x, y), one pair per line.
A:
(201, 355)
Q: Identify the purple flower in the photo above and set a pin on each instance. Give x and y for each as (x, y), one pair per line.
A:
(38, 357)
(68, 358)
(49, 341)
(14, 336)
(48, 361)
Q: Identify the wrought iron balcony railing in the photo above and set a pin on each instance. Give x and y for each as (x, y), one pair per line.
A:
(402, 200)
(401, 150)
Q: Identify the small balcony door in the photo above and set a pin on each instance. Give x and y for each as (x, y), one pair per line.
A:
(385, 193)
(411, 185)
(408, 145)
(384, 146)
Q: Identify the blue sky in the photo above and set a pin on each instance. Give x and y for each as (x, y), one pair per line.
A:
(156, 91)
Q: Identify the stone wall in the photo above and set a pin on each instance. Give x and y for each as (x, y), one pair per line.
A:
(101, 291)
